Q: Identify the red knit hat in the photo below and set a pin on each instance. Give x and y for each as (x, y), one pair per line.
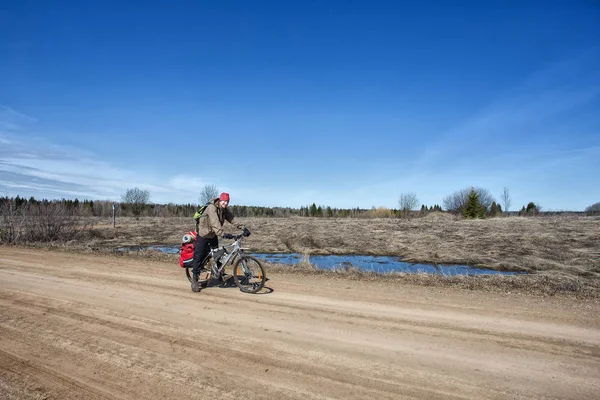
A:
(224, 196)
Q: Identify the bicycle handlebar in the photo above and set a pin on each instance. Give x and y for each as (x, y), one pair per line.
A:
(237, 237)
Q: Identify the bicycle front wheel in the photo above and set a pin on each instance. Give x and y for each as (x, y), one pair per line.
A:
(249, 274)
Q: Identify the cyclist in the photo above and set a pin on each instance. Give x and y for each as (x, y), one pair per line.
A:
(210, 227)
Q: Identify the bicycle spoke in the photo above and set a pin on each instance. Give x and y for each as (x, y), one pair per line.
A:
(249, 274)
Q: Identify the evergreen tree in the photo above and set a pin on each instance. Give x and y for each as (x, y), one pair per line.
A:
(19, 201)
(473, 208)
(494, 209)
(532, 209)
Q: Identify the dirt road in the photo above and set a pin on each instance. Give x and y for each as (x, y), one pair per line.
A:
(92, 327)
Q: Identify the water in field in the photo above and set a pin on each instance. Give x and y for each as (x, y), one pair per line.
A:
(379, 264)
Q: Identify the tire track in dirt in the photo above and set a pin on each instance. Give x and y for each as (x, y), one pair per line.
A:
(146, 335)
(417, 322)
(150, 340)
(62, 387)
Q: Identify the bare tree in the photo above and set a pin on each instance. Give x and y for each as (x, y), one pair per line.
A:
(407, 202)
(208, 193)
(40, 222)
(11, 222)
(593, 208)
(136, 199)
(457, 201)
(506, 202)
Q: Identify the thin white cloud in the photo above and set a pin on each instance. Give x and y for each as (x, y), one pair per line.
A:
(527, 135)
(37, 167)
(521, 112)
(488, 150)
(12, 120)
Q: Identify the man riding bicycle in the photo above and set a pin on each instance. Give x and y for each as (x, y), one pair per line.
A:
(210, 227)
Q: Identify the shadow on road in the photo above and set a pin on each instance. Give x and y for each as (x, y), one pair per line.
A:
(229, 284)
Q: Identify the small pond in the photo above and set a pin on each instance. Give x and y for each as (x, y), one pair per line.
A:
(379, 264)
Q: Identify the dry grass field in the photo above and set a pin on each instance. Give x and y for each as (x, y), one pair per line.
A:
(84, 321)
(559, 253)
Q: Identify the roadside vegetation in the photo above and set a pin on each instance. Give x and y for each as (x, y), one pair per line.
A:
(559, 251)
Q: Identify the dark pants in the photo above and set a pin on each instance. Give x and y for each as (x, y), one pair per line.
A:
(201, 249)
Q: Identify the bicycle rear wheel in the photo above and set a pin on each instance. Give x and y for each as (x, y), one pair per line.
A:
(249, 274)
(203, 279)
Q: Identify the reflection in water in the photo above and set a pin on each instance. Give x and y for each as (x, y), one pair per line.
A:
(379, 264)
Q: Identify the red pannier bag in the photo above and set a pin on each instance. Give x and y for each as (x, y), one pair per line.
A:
(186, 255)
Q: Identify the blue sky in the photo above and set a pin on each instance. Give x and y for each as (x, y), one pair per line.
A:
(341, 103)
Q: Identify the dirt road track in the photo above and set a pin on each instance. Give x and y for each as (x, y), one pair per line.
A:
(90, 327)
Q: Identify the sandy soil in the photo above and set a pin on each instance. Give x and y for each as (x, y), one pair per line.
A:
(94, 327)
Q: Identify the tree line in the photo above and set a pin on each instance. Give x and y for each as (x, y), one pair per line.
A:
(470, 202)
(137, 208)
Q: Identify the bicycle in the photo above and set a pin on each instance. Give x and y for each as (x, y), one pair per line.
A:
(248, 273)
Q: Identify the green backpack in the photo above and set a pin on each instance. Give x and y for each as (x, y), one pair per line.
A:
(200, 213)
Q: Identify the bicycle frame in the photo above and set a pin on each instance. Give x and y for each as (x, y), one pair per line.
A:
(223, 255)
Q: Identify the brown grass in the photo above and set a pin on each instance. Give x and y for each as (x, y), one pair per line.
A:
(565, 244)
(535, 284)
(564, 249)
